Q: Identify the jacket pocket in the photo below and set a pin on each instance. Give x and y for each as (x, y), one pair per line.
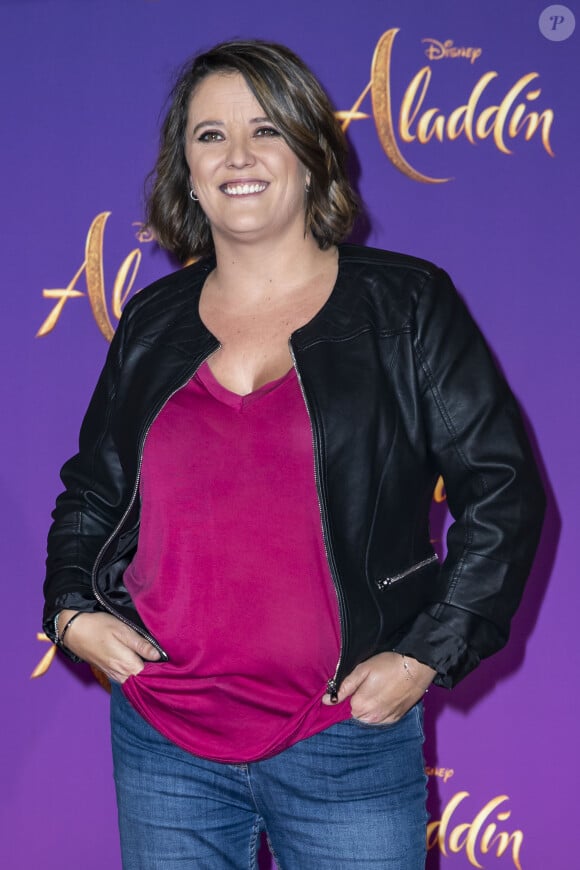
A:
(385, 582)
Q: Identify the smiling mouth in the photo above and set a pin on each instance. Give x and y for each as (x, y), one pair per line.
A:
(244, 189)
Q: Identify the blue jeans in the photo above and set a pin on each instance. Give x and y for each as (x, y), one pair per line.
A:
(352, 796)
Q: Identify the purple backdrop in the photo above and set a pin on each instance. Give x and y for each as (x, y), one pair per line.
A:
(83, 86)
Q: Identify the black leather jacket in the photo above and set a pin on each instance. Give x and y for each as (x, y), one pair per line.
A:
(400, 388)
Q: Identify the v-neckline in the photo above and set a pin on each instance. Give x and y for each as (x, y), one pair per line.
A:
(235, 400)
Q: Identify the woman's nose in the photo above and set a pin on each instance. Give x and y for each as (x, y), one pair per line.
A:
(239, 152)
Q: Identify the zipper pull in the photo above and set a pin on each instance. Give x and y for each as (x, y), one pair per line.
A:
(332, 689)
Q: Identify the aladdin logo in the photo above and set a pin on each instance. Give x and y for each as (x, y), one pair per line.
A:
(475, 119)
(481, 836)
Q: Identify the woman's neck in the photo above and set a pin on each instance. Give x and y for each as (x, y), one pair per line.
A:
(251, 271)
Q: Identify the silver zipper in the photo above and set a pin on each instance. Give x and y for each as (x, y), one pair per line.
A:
(119, 525)
(384, 582)
(332, 684)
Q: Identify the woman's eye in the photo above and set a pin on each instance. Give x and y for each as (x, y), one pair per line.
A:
(210, 136)
(266, 131)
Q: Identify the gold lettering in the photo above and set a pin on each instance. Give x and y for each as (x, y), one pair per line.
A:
(505, 107)
(491, 120)
(92, 268)
(63, 295)
(439, 491)
(482, 130)
(503, 840)
(424, 134)
(506, 119)
(435, 50)
(466, 113)
(437, 831)
(47, 659)
(119, 297)
(412, 101)
(144, 233)
(95, 276)
(477, 824)
(456, 844)
(469, 836)
(444, 773)
(529, 123)
(353, 114)
(382, 107)
(439, 50)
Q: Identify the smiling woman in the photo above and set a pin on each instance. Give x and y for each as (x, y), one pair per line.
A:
(243, 542)
(293, 105)
(242, 171)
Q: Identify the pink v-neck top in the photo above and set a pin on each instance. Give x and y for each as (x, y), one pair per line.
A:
(231, 576)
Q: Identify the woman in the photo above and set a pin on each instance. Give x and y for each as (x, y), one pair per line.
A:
(243, 542)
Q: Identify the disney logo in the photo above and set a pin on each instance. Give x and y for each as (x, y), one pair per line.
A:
(442, 50)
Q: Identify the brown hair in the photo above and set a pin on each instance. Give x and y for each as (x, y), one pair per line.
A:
(295, 102)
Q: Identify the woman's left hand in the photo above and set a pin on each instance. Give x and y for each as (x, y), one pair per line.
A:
(381, 689)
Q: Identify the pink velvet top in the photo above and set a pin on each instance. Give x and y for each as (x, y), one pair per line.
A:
(231, 575)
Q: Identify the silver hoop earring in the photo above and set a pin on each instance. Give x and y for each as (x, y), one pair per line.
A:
(192, 195)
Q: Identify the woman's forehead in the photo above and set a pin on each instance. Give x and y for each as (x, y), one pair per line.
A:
(223, 91)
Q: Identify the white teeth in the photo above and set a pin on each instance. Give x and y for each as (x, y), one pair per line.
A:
(241, 189)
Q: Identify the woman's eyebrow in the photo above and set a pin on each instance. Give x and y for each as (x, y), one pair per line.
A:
(259, 120)
(207, 124)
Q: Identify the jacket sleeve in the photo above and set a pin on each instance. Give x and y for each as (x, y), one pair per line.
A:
(479, 445)
(92, 503)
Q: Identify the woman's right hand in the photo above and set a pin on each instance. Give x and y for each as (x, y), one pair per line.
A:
(107, 643)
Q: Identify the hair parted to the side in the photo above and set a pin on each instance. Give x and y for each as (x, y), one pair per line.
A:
(296, 104)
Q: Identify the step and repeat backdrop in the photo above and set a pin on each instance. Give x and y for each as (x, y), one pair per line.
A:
(464, 126)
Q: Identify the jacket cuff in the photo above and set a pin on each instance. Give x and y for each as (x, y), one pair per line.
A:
(436, 638)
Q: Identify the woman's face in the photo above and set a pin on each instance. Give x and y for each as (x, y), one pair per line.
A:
(249, 182)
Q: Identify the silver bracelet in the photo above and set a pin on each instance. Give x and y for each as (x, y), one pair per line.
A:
(409, 673)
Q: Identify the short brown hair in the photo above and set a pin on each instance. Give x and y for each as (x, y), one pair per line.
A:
(295, 102)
